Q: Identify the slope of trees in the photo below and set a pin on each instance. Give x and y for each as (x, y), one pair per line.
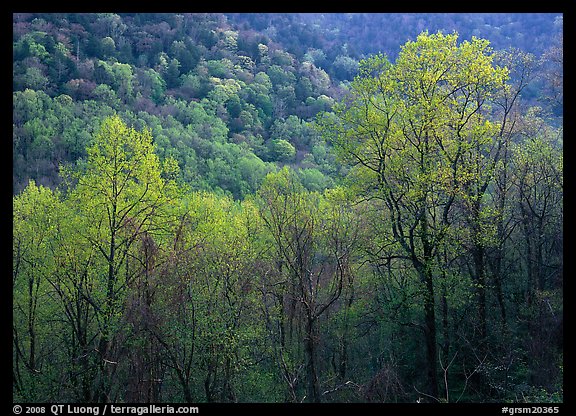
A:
(228, 105)
(223, 94)
(201, 216)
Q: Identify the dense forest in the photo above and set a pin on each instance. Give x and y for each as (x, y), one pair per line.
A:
(287, 208)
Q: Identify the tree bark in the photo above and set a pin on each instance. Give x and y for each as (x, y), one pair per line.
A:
(430, 334)
(313, 387)
(479, 271)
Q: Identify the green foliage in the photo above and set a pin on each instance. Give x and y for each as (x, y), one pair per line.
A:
(314, 180)
(161, 72)
(412, 237)
(281, 150)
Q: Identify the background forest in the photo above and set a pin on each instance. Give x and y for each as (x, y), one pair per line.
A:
(287, 207)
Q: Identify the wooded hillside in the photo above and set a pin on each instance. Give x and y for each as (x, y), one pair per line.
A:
(287, 208)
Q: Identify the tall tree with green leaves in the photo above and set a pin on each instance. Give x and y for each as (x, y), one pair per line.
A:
(415, 132)
(120, 197)
(35, 213)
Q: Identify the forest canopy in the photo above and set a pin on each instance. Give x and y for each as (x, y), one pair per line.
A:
(226, 208)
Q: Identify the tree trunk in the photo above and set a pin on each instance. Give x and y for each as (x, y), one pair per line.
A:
(445, 324)
(479, 271)
(313, 387)
(425, 270)
(430, 334)
(497, 280)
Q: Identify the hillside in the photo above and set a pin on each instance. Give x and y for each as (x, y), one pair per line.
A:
(229, 96)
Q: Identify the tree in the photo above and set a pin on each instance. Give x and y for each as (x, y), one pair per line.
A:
(152, 85)
(313, 256)
(539, 182)
(34, 227)
(410, 130)
(107, 47)
(172, 74)
(119, 198)
(345, 67)
(281, 150)
(552, 71)
(203, 310)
